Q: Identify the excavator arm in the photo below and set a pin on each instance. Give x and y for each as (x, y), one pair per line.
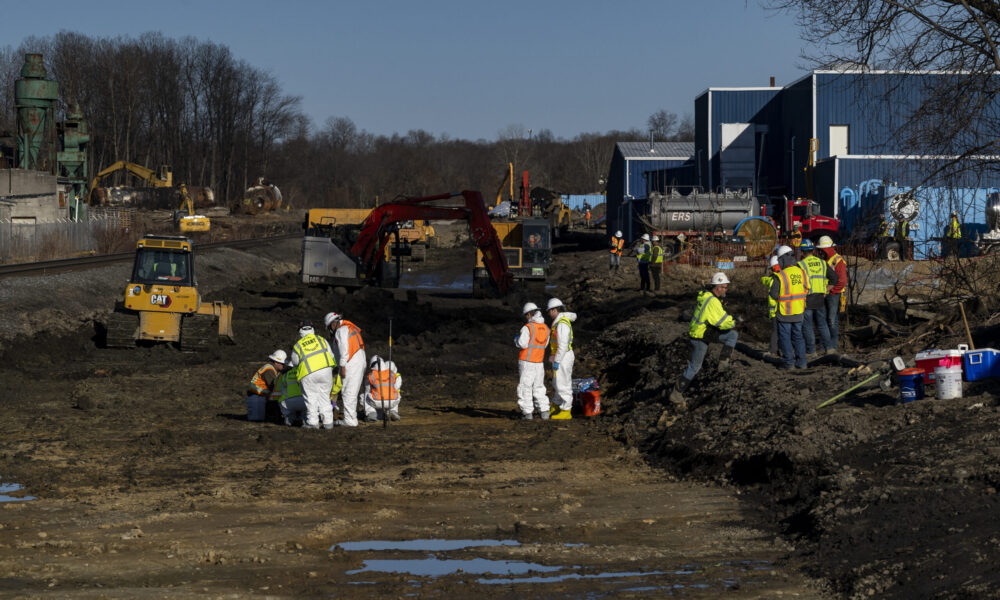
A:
(376, 229)
(162, 178)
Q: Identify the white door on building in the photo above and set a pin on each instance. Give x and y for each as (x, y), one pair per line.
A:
(839, 140)
(736, 155)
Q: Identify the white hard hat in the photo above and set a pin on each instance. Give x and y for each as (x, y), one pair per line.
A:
(278, 356)
(306, 330)
(529, 307)
(645, 236)
(656, 238)
(618, 233)
(782, 250)
(720, 279)
(774, 261)
(825, 242)
(330, 318)
(681, 236)
(374, 360)
(554, 303)
(797, 225)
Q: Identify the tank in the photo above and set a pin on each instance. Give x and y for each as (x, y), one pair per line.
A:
(993, 211)
(700, 212)
(261, 198)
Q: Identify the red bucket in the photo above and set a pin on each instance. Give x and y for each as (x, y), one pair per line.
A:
(588, 402)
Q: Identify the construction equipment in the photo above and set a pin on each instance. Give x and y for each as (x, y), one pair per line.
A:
(527, 250)
(261, 197)
(162, 303)
(354, 255)
(162, 177)
(414, 235)
(190, 222)
(506, 182)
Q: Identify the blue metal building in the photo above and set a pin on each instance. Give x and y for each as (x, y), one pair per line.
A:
(627, 180)
(852, 123)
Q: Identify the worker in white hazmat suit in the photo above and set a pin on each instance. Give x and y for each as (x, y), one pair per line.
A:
(351, 357)
(561, 357)
(314, 363)
(531, 341)
(382, 390)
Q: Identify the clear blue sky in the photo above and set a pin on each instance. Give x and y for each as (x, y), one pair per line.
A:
(468, 68)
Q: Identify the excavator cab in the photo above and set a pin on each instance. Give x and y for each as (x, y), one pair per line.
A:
(161, 301)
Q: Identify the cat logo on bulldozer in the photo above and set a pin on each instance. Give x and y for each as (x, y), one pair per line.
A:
(159, 300)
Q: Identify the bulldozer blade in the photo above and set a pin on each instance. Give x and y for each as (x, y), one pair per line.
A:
(224, 312)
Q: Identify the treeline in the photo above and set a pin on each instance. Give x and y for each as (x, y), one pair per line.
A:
(220, 122)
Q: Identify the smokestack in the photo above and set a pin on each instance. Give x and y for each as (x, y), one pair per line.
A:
(772, 81)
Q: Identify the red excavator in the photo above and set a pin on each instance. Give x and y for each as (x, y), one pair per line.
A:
(353, 255)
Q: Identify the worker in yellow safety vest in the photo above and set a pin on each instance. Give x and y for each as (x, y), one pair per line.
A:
(261, 385)
(656, 263)
(531, 342)
(287, 395)
(617, 246)
(644, 252)
(797, 239)
(772, 304)
(710, 322)
(561, 357)
(821, 278)
(314, 363)
(382, 390)
(952, 235)
(789, 289)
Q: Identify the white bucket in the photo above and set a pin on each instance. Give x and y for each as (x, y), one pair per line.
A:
(948, 381)
(255, 408)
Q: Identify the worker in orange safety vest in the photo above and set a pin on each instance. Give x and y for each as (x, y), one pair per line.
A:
(531, 342)
(351, 358)
(382, 390)
(617, 246)
(261, 385)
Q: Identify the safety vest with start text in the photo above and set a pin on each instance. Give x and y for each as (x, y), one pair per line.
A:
(709, 311)
(617, 244)
(314, 354)
(815, 268)
(383, 384)
(354, 341)
(554, 344)
(538, 337)
(257, 382)
(792, 291)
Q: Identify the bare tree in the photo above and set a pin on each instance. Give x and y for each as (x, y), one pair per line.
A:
(662, 125)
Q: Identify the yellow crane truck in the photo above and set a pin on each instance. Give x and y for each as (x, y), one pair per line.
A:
(162, 303)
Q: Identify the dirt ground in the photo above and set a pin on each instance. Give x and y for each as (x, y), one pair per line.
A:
(148, 482)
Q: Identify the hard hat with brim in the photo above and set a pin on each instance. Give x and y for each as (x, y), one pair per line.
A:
(807, 245)
(825, 242)
(278, 356)
(529, 308)
(554, 303)
(720, 279)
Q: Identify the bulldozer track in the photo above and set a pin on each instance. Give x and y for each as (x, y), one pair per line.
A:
(85, 262)
(121, 330)
(197, 331)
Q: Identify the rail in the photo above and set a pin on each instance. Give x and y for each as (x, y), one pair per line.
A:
(73, 264)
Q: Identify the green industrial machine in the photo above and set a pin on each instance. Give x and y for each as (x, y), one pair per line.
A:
(35, 101)
(72, 159)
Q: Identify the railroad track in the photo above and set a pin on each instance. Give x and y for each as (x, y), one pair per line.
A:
(83, 262)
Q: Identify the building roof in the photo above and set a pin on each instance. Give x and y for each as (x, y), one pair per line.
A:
(659, 151)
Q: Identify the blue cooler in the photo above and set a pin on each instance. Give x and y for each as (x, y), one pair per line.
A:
(980, 364)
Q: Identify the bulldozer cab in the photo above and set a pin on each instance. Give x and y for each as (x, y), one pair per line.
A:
(163, 266)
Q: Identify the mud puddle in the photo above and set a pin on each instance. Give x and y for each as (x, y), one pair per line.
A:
(7, 488)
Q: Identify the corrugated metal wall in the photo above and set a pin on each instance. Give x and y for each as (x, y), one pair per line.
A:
(701, 124)
(739, 106)
(796, 129)
(626, 192)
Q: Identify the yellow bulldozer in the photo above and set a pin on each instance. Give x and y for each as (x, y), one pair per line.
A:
(162, 303)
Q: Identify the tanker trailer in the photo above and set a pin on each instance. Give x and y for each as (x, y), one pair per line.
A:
(696, 213)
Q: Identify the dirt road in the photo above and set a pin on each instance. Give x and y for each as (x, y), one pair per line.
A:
(148, 482)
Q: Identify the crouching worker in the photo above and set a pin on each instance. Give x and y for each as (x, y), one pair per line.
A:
(382, 390)
(262, 384)
(710, 322)
(287, 396)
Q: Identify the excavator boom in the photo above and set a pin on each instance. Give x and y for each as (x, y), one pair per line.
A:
(375, 231)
